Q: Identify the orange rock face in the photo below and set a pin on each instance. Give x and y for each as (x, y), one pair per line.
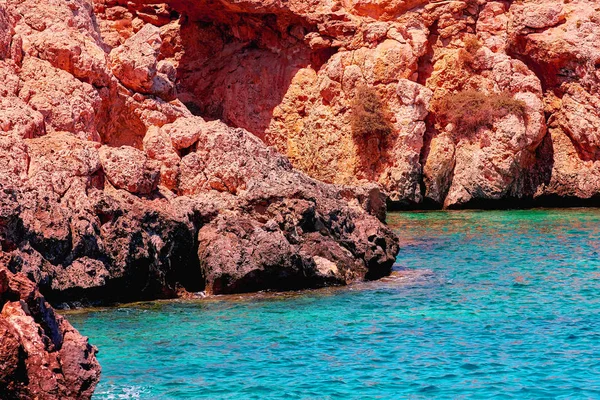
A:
(110, 186)
(289, 73)
(152, 148)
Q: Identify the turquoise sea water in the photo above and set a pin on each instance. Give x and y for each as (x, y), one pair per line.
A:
(485, 305)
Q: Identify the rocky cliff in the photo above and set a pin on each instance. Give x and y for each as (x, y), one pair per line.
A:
(291, 72)
(157, 148)
(41, 355)
(112, 190)
(134, 152)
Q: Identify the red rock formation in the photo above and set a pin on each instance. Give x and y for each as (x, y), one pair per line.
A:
(89, 223)
(128, 168)
(41, 355)
(114, 74)
(288, 72)
(113, 191)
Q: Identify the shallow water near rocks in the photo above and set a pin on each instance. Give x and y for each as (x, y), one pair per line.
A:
(485, 304)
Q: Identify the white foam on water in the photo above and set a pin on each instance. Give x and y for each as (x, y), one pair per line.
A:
(122, 393)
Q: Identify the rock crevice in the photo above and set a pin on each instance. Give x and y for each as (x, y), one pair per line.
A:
(534, 51)
(160, 148)
(114, 191)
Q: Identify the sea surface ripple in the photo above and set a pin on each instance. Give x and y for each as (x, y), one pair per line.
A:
(488, 304)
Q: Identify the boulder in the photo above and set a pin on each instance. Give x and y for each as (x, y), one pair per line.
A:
(158, 146)
(16, 117)
(14, 160)
(66, 103)
(130, 169)
(60, 161)
(184, 132)
(41, 354)
(135, 64)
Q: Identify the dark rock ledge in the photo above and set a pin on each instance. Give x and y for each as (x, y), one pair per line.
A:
(90, 224)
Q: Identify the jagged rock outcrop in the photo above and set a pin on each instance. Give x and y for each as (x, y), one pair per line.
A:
(289, 72)
(89, 224)
(112, 190)
(99, 150)
(41, 355)
(134, 134)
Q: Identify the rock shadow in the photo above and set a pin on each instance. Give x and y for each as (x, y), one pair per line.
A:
(238, 67)
(373, 133)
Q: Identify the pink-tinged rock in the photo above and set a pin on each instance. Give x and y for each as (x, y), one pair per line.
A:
(14, 160)
(267, 250)
(6, 31)
(400, 178)
(580, 119)
(367, 197)
(439, 167)
(232, 241)
(304, 109)
(47, 227)
(128, 115)
(572, 176)
(10, 361)
(114, 22)
(38, 16)
(415, 98)
(495, 166)
(493, 162)
(135, 64)
(184, 132)
(231, 94)
(391, 60)
(10, 79)
(313, 127)
(80, 368)
(38, 363)
(492, 25)
(74, 52)
(130, 169)
(83, 273)
(17, 118)
(226, 160)
(566, 49)
(68, 226)
(384, 9)
(537, 14)
(257, 257)
(61, 161)
(41, 354)
(306, 124)
(66, 103)
(452, 17)
(571, 151)
(158, 146)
